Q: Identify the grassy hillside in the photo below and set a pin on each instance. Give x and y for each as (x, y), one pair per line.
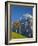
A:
(16, 35)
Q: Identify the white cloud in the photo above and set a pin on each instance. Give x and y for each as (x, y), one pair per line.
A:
(27, 15)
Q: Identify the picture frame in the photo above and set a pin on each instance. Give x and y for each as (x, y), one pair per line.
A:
(19, 35)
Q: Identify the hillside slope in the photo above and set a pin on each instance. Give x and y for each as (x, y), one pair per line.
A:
(16, 35)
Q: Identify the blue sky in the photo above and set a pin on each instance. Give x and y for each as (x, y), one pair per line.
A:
(17, 11)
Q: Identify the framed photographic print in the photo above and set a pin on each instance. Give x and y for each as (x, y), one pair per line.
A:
(20, 22)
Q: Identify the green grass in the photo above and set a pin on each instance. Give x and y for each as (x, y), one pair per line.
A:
(16, 35)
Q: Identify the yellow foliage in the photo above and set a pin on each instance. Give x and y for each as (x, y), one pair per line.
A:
(17, 24)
